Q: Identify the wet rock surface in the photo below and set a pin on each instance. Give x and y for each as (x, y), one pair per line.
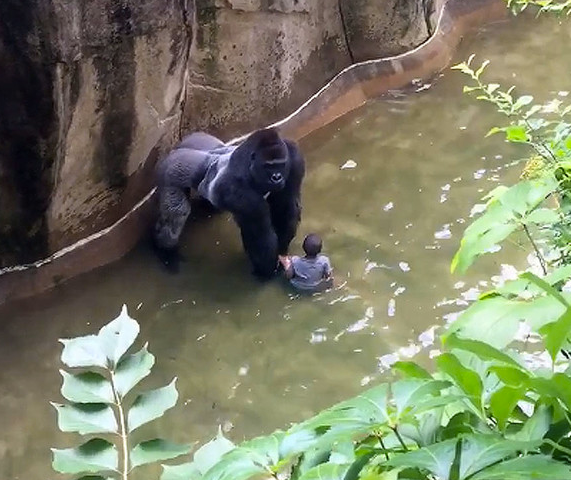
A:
(93, 93)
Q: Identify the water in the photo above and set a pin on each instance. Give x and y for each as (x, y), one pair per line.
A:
(389, 187)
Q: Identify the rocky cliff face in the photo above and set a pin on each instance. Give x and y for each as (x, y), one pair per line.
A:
(93, 93)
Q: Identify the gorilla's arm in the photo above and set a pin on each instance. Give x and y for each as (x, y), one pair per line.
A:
(252, 214)
(285, 205)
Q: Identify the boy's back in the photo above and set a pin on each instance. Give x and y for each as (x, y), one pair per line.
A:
(309, 272)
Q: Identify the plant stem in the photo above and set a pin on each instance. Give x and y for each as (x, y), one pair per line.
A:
(556, 446)
(395, 429)
(122, 431)
(383, 447)
(537, 252)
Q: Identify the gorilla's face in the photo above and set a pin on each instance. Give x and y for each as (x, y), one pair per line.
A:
(270, 166)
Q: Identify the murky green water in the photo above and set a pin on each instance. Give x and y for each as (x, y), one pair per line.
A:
(253, 357)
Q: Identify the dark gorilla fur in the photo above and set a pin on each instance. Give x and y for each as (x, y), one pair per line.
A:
(258, 181)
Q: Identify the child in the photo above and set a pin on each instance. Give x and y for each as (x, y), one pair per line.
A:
(311, 272)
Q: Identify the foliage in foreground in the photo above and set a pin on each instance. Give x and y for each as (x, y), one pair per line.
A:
(486, 414)
(100, 406)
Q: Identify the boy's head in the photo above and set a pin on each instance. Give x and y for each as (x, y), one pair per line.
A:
(312, 245)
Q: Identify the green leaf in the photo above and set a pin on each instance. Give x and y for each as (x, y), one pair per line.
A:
(516, 133)
(513, 377)
(156, 450)
(87, 387)
(481, 451)
(118, 335)
(186, 471)
(263, 450)
(543, 216)
(532, 467)
(151, 405)
(211, 453)
(132, 369)
(545, 287)
(467, 380)
(502, 403)
(411, 394)
(555, 335)
(480, 349)
(535, 428)
(83, 352)
(86, 418)
(522, 102)
(297, 440)
(94, 456)
(411, 370)
(326, 471)
(437, 458)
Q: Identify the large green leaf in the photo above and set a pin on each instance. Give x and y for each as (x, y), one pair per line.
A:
(326, 471)
(86, 387)
(535, 428)
(411, 394)
(96, 455)
(185, 471)
(555, 335)
(483, 350)
(156, 450)
(511, 376)
(437, 458)
(211, 453)
(502, 403)
(495, 320)
(150, 405)
(118, 335)
(86, 418)
(83, 352)
(411, 370)
(481, 451)
(297, 440)
(532, 467)
(263, 450)
(132, 369)
(467, 380)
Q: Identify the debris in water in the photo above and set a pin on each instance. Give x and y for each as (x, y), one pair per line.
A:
(349, 164)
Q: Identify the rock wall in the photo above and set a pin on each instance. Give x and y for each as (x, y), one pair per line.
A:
(93, 93)
(385, 28)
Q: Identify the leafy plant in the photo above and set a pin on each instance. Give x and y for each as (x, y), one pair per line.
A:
(484, 415)
(539, 204)
(101, 404)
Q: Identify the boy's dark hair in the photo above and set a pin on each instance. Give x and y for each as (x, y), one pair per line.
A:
(312, 245)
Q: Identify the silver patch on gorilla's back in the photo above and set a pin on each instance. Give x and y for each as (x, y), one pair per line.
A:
(216, 169)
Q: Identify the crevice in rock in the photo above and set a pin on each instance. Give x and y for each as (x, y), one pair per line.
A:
(345, 31)
(188, 26)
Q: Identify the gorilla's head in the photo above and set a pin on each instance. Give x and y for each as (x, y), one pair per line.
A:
(270, 164)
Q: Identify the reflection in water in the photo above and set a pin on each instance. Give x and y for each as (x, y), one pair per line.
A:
(389, 188)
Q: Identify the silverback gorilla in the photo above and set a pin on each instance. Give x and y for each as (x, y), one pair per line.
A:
(258, 181)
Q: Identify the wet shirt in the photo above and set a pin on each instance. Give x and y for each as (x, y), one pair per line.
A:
(308, 273)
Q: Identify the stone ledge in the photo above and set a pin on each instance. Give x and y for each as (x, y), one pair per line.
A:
(349, 90)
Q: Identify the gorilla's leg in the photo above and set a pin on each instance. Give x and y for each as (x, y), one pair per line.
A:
(258, 237)
(200, 141)
(174, 209)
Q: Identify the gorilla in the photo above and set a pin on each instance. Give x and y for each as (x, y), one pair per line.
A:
(258, 181)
